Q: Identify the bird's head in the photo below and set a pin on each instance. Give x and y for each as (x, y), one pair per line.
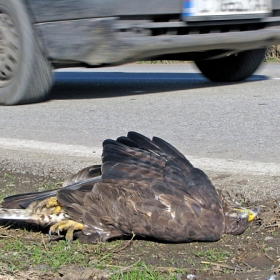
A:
(237, 218)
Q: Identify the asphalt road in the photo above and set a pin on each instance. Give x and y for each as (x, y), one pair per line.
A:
(231, 127)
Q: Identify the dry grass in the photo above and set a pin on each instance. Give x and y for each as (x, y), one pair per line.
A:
(270, 217)
(273, 53)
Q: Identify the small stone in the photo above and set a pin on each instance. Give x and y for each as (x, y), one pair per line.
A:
(268, 238)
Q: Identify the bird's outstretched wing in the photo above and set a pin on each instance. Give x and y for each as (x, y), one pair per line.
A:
(149, 188)
(89, 175)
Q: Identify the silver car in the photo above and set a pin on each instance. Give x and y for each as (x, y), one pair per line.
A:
(226, 39)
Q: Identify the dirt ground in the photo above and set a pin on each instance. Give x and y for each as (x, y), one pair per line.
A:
(252, 255)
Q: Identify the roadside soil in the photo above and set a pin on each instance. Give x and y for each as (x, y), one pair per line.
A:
(252, 255)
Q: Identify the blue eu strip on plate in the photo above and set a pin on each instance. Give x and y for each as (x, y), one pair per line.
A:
(188, 8)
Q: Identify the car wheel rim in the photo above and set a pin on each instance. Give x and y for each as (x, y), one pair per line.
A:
(9, 49)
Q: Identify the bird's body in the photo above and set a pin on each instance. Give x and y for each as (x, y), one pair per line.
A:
(143, 186)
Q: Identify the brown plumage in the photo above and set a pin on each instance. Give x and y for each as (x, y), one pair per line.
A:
(143, 186)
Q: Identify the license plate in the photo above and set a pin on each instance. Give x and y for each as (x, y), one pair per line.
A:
(223, 9)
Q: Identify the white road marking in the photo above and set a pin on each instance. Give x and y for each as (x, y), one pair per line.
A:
(49, 147)
(237, 166)
(213, 164)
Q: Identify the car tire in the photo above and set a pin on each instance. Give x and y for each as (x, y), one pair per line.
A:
(233, 68)
(25, 73)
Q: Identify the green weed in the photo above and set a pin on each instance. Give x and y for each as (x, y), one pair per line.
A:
(214, 255)
(142, 271)
(19, 255)
(190, 261)
(10, 180)
(47, 186)
(8, 176)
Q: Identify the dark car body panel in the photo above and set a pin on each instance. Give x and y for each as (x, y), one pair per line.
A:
(72, 9)
(106, 32)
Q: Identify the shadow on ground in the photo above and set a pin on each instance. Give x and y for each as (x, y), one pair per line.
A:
(87, 85)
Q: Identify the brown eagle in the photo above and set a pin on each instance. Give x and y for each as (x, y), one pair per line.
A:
(143, 187)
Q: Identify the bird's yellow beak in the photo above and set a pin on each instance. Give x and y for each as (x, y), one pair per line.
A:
(251, 213)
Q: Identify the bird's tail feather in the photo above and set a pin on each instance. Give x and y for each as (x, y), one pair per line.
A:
(15, 214)
(28, 216)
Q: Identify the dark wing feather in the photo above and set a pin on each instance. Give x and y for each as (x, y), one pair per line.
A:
(149, 188)
(129, 156)
(127, 142)
(88, 175)
(83, 175)
(115, 170)
(201, 189)
(120, 207)
(143, 142)
(23, 200)
(171, 151)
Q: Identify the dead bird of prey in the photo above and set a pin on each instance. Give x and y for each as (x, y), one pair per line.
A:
(145, 187)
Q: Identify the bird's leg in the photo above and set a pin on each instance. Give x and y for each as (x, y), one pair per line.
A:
(69, 225)
(48, 203)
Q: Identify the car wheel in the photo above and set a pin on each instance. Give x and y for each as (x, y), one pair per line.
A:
(232, 68)
(25, 73)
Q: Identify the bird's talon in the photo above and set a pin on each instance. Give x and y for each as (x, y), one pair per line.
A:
(48, 203)
(67, 225)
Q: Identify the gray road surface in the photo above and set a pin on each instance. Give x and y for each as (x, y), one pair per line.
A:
(232, 127)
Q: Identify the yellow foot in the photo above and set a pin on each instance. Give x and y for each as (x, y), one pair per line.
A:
(69, 225)
(49, 203)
